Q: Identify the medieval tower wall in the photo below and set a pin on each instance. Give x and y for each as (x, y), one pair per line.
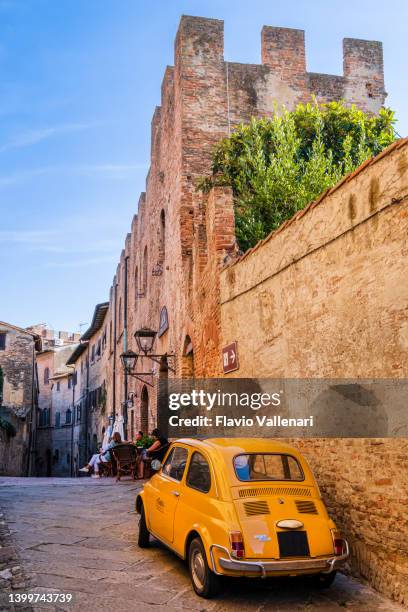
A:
(202, 98)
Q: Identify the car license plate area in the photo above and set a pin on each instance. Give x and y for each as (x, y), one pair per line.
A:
(293, 544)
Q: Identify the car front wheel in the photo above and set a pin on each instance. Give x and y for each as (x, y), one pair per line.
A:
(144, 535)
(205, 583)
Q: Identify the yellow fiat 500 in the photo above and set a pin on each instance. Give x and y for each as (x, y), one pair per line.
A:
(240, 507)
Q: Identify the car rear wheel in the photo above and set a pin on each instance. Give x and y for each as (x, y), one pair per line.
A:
(144, 535)
(205, 583)
(324, 581)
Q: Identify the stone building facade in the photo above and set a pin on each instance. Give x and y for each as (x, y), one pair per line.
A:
(72, 415)
(53, 440)
(55, 419)
(18, 398)
(90, 363)
(202, 98)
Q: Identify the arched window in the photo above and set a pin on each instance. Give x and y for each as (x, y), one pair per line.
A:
(162, 237)
(68, 416)
(136, 284)
(144, 410)
(46, 417)
(145, 264)
(46, 376)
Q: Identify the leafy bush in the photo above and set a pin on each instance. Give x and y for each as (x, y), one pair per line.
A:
(277, 166)
(145, 442)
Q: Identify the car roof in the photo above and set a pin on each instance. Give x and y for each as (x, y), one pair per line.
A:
(223, 450)
(235, 446)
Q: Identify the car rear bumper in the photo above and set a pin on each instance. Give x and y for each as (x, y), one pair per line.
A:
(325, 565)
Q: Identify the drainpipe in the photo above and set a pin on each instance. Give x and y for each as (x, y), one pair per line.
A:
(114, 356)
(125, 320)
(72, 421)
(33, 424)
(87, 404)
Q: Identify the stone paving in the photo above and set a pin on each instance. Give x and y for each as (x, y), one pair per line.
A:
(79, 536)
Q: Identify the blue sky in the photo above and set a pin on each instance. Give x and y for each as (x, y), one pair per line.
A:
(79, 80)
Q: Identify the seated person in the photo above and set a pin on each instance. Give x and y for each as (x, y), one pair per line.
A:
(159, 447)
(102, 457)
(139, 436)
(156, 451)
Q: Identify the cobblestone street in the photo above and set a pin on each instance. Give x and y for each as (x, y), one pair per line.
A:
(79, 536)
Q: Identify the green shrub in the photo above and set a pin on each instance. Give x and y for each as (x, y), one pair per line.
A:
(277, 166)
(145, 442)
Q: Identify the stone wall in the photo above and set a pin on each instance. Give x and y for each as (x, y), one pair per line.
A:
(19, 398)
(326, 295)
(364, 484)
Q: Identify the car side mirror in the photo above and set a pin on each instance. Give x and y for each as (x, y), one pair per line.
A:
(155, 465)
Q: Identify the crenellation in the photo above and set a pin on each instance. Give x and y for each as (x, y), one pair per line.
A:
(363, 58)
(155, 133)
(128, 242)
(326, 87)
(283, 50)
(167, 86)
(364, 73)
(199, 40)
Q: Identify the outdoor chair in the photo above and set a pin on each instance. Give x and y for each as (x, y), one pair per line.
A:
(106, 468)
(125, 457)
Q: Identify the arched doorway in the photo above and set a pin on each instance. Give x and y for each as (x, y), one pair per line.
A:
(144, 410)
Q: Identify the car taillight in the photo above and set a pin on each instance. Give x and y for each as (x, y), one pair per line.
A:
(338, 546)
(338, 543)
(237, 544)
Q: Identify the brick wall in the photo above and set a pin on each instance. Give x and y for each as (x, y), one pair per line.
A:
(202, 97)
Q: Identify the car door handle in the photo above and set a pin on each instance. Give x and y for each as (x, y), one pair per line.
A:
(176, 493)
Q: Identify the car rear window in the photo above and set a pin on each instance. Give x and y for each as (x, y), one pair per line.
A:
(267, 466)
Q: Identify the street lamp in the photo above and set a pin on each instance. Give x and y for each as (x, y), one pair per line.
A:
(129, 360)
(145, 339)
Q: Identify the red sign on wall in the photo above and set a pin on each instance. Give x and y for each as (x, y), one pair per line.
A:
(230, 357)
